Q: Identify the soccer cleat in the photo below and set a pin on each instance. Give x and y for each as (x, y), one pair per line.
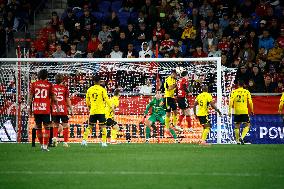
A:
(54, 142)
(147, 141)
(178, 128)
(177, 141)
(104, 144)
(44, 148)
(65, 144)
(190, 130)
(84, 143)
(242, 141)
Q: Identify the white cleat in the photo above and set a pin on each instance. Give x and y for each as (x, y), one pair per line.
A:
(44, 148)
(190, 130)
(54, 141)
(178, 128)
(104, 144)
(65, 144)
(84, 143)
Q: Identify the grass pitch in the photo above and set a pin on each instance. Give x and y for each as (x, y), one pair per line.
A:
(135, 166)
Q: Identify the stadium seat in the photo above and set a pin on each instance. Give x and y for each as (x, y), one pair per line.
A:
(116, 5)
(134, 15)
(104, 6)
(98, 15)
(79, 14)
(123, 18)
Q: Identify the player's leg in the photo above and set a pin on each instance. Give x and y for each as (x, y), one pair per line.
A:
(46, 135)
(38, 128)
(114, 131)
(169, 128)
(168, 113)
(148, 124)
(188, 119)
(92, 121)
(102, 124)
(246, 122)
(204, 121)
(56, 122)
(182, 114)
(237, 128)
(65, 126)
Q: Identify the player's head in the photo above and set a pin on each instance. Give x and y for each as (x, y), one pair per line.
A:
(204, 88)
(58, 78)
(97, 79)
(116, 92)
(184, 74)
(241, 83)
(42, 74)
(174, 73)
(158, 94)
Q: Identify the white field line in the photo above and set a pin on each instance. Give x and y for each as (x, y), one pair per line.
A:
(213, 174)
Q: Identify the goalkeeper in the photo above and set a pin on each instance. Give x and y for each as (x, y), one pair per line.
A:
(158, 114)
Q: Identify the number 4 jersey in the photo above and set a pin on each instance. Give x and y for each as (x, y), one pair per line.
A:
(42, 91)
(62, 93)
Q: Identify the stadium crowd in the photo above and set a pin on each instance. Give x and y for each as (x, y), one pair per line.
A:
(246, 34)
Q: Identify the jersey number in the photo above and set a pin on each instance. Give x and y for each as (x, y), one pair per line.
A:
(40, 93)
(59, 96)
(240, 98)
(95, 96)
(201, 103)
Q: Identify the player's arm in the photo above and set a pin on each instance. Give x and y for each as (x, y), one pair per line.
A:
(231, 102)
(88, 99)
(148, 108)
(68, 102)
(106, 98)
(212, 104)
(250, 103)
(194, 107)
(53, 98)
(281, 104)
(169, 86)
(30, 99)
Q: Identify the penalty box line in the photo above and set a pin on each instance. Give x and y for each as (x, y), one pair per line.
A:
(213, 174)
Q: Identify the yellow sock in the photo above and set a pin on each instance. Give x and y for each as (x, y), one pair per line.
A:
(237, 134)
(104, 135)
(113, 134)
(167, 122)
(175, 119)
(87, 132)
(205, 132)
(245, 131)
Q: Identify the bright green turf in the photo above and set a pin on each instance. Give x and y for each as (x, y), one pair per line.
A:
(130, 166)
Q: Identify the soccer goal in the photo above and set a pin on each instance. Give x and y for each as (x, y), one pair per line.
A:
(138, 80)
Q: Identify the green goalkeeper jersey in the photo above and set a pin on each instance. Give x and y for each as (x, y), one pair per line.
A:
(157, 107)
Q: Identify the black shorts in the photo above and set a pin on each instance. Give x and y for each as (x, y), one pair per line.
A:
(241, 118)
(110, 122)
(204, 120)
(183, 103)
(58, 118)
(42, 119)
(97, 117)
(170, 104)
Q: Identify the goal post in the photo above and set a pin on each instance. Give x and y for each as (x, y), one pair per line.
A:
(198, 68)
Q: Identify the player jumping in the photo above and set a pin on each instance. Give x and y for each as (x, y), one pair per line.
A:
(183, 91)
(62, 93)
(96, 100)
(203, 100)
(239, 101)
(158, 114)
(41, 95)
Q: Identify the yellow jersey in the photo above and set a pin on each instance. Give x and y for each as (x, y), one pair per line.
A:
(96, 99)
(239, 101)
(169, 82)
(114, 101)
(203, 100)
(281, 102)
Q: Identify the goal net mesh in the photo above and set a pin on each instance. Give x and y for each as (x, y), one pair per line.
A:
(138, 82)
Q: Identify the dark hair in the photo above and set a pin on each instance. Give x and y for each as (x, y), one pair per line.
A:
(97, 78)
(116, 92)
(184, 73)
(241, 83)
(174, 71)
(42, 74)
(204, 88)
(58, 78)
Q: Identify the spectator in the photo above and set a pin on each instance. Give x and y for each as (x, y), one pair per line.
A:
(217, 31)
(189, 30)
(199, 53)
(243, 74)
(269, 86)
(142, 33)
(280, 39)
(131, 53)
(88, 22)
(247, 8)
(167, 45)
(123, 42)
(274, 28)
(127, 6)
(253, 40)
(164, 10)
(115, 33)
(55, 22)
(69, 21)
(175, 31)
(2, 41)
(130, 33)
(93, 44)
(176, 53)
(224, 21)
(32, 53)
(145, 50)
(262, 27)
(65, 45)
(280, 87)
(82, 45)
(224, 44)
(205, 7)
(150, 12)
(113, 20)
(73, 53)
(11, 24)
(257, 78)
(108, 45)
(100, 52)
(183, 20)
(51, 44)
(158, 32)
(104, 33)
(76, 33)
(275, 54)
(261, 8)
(116, 53)
(59, 53)
(224, 60)
(61, 32)
(247, 54)
(213, 52)
(40, 45)
(209, 41)
(261, 58)
(252, 87)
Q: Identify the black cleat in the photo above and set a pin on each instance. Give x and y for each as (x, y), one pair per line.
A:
(242, 141)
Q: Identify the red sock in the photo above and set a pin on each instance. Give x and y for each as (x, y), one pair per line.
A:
(39, 135)
(46, 136)
(65, 134)
(55, 132)
(188, 120)
(180, 119)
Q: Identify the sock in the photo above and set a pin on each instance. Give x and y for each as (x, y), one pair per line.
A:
(175, 119)
(180, 119)
(55, 132)
(113, 134)
(46, 136)
(104, 135)
(39, 136)
(65, 134)
(205, 132)
(173, 133)
(245, 131)
(237, 134)
(148, 130)
(188, 120)
(167, 122)
(87, 132)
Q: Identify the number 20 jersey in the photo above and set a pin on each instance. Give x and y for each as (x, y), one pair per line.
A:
(240, 98)
(62, 93)
(42, 91)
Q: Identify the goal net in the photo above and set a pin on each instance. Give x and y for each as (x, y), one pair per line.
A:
(138, 80)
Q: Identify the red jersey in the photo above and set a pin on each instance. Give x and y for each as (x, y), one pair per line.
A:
(182, 87)
(62, 93)
(42, 91)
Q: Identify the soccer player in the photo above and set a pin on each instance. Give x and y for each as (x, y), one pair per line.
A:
(40, 97)
(158, 114)
(114, 101)
(170, 103)
(203, 100)
(281, 104)
(183, 91)
(96, 100)
(62, 94)
(239, 100)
